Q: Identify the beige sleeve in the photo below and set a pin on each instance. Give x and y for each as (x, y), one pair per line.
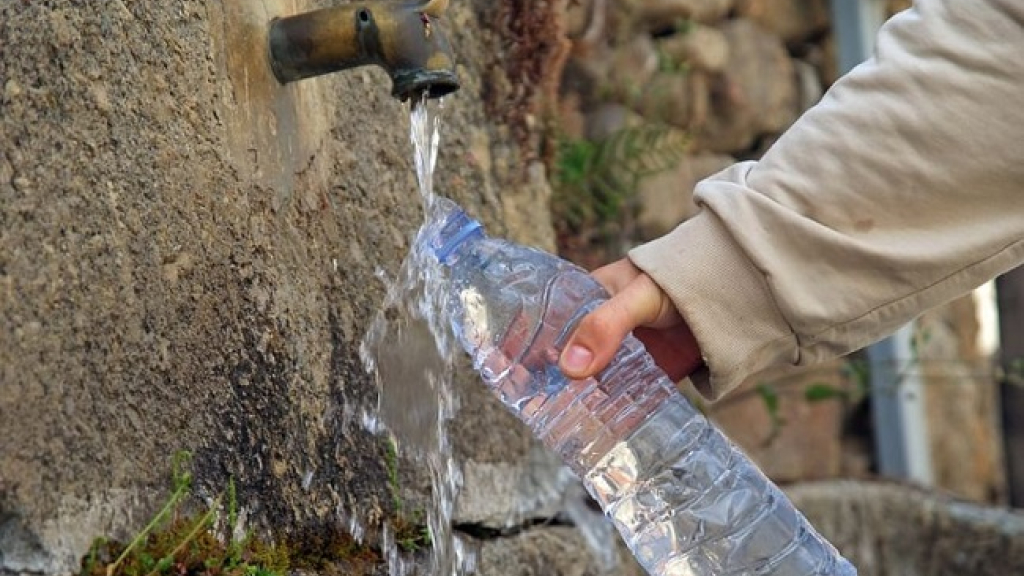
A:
(902, 189)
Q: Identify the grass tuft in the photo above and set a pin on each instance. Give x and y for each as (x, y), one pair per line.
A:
(176, 543)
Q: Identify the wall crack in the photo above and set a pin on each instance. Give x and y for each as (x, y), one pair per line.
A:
(481, 531)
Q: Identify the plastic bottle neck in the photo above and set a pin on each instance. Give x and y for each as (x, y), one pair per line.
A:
(456, 231)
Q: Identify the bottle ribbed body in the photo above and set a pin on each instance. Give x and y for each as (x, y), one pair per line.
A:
(685, 500)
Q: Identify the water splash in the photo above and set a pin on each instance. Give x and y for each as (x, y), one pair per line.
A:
(408, 350)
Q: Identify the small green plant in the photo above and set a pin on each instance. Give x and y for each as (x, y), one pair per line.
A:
(411, 531)
(594, 181)
(668, 64)
(1011, 372)
(855, 374)
(858, 371)
(412, 534)
(391, 461)
(177, 543)
(820, 392)
(152, 551)
(174, 542)
(770, 396)
(685, 26)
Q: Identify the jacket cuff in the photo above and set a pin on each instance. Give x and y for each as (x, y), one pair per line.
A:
(724, 300)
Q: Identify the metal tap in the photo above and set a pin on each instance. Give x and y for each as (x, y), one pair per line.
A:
(405, 38)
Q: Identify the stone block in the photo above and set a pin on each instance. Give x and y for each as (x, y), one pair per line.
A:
(792, 20)
(681, 100)
(895, 6)
(666, 198)
(961, 404)
(631, 68)
(803, 440)
(667, 14)
(578, 16)
(607, 119)
(888, 529)
(755, 96)
(701, 47)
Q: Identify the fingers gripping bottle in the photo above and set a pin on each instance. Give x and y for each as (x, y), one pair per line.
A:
(686, 501)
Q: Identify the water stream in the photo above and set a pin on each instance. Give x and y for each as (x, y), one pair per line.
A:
(408, 350)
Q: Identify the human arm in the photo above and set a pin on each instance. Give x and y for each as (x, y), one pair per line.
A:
(902, 189)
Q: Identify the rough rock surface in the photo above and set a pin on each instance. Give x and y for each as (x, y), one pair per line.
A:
(801, 441)
(791, 20)
(661, 14)
(662, 206)
(756, 96)
(889, 529)
(538, 552)
(187, 262)
(967, 457)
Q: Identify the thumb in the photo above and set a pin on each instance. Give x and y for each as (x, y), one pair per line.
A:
(600, 334)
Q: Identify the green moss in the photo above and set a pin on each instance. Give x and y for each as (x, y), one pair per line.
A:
(335, 553)
(391, 461)
(178, 543)
(411, 534)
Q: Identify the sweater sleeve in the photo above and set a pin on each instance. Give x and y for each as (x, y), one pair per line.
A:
(902, 189)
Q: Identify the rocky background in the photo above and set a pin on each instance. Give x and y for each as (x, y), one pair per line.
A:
(665, 93)
(657, 95)
(188, 258)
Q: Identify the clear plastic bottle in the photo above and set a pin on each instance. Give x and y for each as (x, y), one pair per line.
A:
(686, 501)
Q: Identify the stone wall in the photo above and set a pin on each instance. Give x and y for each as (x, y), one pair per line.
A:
(187, 262)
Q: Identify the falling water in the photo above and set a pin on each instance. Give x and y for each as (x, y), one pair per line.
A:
(409, 352)
(425, 133)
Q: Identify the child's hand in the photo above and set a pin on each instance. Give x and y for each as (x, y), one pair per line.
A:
(637, 305)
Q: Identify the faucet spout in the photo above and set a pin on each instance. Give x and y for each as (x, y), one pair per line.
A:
(405, 38)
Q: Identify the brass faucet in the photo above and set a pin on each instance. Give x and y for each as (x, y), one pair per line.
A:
(405, 38)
